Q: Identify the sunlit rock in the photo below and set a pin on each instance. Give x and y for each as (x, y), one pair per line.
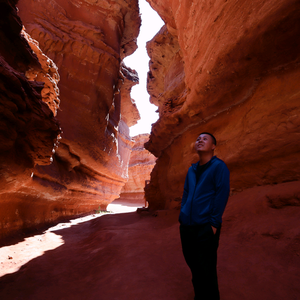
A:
(231, 68)
(140, 166)
(79, 47)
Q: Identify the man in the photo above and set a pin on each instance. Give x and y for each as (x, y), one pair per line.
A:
(205, 196)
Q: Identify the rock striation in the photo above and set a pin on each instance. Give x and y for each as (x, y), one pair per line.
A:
(29, 130)
(140, 166)
(231, 68)
(86, 42)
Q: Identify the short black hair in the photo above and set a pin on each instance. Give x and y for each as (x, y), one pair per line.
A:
(214, 139)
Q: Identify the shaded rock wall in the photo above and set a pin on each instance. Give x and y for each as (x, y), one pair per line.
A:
(140, 166)
(87, 40)
(28, 129)
(231, 68)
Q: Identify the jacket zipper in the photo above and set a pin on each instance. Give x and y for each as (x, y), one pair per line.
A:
(193, 197)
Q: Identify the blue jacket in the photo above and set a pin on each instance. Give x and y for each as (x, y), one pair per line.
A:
(205, 201)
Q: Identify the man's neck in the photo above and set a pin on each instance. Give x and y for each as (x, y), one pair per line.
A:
(205, 157)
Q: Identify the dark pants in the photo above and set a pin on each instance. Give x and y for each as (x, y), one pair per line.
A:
(199, 246)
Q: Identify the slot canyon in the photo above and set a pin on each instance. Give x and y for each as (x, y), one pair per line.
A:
(227, 67)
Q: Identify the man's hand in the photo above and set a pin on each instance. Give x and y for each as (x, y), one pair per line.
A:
(214, 229)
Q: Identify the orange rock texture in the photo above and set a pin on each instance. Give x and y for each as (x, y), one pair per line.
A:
(231, 68)
(87, 41)
(140, 166)
(29, 130)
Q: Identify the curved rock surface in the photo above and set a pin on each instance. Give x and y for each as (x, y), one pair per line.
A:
(140, 166)
(28, 128)
(231, 68)
(87, 40)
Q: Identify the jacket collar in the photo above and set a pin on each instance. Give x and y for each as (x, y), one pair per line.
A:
(207, 164)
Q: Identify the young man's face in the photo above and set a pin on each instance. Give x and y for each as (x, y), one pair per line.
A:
(204, 143)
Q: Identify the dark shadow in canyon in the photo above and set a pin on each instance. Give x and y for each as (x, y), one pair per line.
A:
(123, 256)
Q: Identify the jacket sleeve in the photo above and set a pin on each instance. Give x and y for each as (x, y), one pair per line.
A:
(222, 189)
(185, 190)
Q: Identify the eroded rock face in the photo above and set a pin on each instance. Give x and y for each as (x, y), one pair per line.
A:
(140, 166)
(87, 40)
(28, 128)
(48, 75)
(231, 68)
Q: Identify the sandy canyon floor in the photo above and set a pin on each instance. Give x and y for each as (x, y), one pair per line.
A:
(127, 255)
(121, 255)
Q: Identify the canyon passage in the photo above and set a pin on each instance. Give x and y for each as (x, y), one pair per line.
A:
(226, 67)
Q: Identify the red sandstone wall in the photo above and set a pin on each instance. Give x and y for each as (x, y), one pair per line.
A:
(28, 129)
(140, 166)
(232, 68)
(86, 41)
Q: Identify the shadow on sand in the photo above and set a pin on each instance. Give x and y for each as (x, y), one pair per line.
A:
(114, 257)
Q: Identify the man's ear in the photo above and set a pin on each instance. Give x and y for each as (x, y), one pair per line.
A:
(213, 147)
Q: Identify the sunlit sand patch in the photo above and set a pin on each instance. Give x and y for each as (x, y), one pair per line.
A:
(119, 208)
(14, 256)
(123, 207)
